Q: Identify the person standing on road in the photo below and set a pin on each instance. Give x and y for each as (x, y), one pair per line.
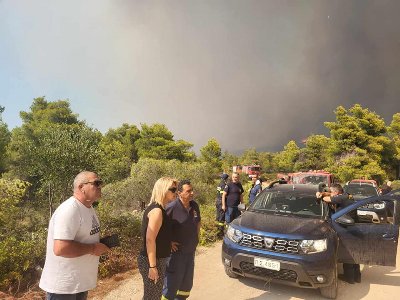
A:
(337, 197)
(185, 215)
(220, 213)
(73, 247)
(232, 197)
(255, 188)
(156, 234)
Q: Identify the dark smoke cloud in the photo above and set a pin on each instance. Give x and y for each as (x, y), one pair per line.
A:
(252, 74)
(258, 74)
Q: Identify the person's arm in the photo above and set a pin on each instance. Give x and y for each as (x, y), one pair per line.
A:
(224, 200)
(71, 249)
(198, 224)
(198, 229)
(241, 194)
(155, 220)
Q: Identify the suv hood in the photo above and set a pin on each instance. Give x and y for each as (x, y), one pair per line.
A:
(277, 224)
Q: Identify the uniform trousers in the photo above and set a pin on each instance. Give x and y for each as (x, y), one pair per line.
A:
(179, 276)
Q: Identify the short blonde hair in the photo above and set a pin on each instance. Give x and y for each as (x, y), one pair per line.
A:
(160, 190)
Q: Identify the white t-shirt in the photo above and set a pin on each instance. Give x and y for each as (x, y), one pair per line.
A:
(71, 221)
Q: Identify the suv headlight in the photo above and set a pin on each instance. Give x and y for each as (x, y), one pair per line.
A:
(313, 246)
(379, 205)
(235, 235)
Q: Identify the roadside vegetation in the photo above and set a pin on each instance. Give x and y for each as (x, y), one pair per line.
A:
(39, 160)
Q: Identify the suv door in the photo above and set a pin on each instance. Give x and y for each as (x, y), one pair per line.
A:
(369, 243)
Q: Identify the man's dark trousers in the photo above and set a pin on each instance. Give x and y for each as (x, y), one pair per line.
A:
(179, 276)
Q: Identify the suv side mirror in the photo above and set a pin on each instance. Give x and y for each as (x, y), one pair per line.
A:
(345, 220)
(242, 206)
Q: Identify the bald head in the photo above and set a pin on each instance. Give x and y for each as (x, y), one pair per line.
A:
(87, 187)
(82, 177)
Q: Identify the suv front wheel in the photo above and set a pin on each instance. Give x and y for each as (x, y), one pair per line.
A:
(330, 291)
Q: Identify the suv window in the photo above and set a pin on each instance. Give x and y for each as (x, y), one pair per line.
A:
(302, 204)
(310, 179)
(361, 190)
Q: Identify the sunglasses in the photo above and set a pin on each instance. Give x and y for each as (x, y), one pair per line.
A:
(96, 183)
(172, 189)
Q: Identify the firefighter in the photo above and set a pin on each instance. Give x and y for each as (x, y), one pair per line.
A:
(186, 221)
(220, 213)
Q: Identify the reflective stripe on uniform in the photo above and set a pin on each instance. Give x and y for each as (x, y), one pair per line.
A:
(163, 298)
(183, 293)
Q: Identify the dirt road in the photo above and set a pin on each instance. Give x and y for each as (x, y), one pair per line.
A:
(211, 283)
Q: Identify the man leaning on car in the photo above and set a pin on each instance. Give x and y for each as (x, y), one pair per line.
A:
(337, 196)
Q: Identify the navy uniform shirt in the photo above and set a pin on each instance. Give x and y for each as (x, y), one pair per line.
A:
(220, 189)
(184, 224)
(233, 192)
(342, 201)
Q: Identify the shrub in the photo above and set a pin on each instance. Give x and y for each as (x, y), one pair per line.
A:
(209, 230)
(127, 226)
(22, 242)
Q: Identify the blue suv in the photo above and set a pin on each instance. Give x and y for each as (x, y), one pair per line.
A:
(288, 236)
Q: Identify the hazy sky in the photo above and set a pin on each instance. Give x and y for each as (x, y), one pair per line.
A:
(252, 74)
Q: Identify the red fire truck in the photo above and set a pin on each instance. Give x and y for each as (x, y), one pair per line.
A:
(249, 170)
(312, 177)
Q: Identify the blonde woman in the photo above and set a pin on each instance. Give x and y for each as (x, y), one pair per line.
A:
(156, 234)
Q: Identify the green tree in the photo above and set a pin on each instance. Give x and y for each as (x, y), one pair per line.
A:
(358, 143)
(267, 162)
(314, 156)
(228, 161)
(157, 142)
(394, 133)
(250, 157)
(118, 152)
(59, 153)
(21, 246)
(51, 147)
(286, 159)
(211, 153)
(4, 140)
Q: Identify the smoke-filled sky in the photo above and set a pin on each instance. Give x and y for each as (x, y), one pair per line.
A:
(252, 74)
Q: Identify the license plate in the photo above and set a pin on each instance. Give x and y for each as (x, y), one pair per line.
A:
(267, 264)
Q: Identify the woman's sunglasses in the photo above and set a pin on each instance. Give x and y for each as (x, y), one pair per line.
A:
(172, 189)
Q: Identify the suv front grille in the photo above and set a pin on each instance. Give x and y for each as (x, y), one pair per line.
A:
(283, 274)
(279, 245)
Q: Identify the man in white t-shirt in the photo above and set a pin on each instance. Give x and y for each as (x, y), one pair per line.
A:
(73, 248)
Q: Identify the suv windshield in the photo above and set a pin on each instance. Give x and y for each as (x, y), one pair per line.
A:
(363, 191)
(309, 179)
(294, 202)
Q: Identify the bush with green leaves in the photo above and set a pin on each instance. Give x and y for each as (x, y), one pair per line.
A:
(22, 242)
(127, 226)
(129, 194)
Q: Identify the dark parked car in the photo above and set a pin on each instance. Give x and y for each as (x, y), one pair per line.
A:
(287, 236)
(375, 212)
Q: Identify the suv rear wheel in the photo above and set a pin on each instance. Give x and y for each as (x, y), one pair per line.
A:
(330, 291)
(229, 272)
